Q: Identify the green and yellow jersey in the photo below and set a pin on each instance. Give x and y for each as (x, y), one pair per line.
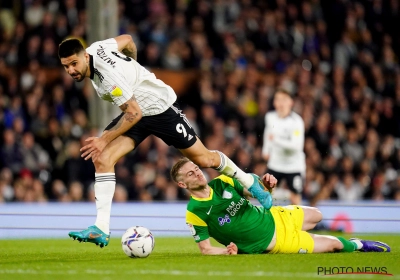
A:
(227, 216)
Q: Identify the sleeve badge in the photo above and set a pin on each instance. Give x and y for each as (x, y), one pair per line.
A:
(116, 91)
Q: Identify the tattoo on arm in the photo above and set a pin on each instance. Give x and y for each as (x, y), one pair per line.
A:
(123, 107)
(130, 117)
(117, 125)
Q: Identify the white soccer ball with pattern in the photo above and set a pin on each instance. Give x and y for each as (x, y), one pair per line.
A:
(137, 242)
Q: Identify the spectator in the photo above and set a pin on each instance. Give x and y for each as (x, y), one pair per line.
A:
(76, 191)
(6, 190)
(348, 189)
(11, 156)
(120, 195)
(35, 158)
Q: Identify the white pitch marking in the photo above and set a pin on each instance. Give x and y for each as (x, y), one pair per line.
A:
(188, 273)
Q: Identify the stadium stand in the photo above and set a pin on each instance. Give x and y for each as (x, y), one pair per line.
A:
(339, 58)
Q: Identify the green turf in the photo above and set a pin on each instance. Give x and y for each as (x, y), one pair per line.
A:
(177, 258)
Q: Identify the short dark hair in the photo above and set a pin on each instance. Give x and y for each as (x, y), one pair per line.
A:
(70, 47)
(175, 169)
(284, 91)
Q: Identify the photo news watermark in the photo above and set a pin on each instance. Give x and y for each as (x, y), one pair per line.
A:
(343, 270)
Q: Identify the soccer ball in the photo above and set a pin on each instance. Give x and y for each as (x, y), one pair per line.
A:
(137, 242)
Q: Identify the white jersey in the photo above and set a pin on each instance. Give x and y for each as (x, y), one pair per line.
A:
(285, 150)
(117, 78)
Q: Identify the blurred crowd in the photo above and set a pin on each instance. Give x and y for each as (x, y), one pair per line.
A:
(338, 58)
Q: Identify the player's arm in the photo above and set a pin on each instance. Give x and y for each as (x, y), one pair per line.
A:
(95, 145)
(207, 249)
(126, 45)
(131, 116)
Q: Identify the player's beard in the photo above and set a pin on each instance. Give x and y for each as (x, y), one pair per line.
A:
(199, 187)
(83, 74)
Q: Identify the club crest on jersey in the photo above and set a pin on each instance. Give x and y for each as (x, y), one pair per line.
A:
(116, 91)
(227, 195)
(223, 220)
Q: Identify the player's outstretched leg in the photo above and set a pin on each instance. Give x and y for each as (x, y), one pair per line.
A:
(104, 188)
(258, 191)
(93, 235)
(372, 246)
(203, 157)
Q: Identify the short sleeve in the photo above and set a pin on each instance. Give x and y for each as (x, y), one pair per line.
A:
(118, 88)
(109, 44)
(199, 233)
(198, 228)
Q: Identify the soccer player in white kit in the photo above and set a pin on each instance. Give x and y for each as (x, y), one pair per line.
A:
(283, 144)
(148, 107)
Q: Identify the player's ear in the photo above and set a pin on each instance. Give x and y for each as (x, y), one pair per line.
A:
(182, 185)
(86, 57)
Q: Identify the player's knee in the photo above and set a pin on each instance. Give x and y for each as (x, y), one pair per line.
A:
(104, 162)
(317, 215)
(203, 160)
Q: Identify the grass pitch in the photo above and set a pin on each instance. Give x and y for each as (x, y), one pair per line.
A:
(179, 258)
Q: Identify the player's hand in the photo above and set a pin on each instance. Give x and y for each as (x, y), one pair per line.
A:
(271, 137)
(93, 149)
(232, 249)
(269, 181)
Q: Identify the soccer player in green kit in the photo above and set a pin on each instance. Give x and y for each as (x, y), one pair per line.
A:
(220, 209)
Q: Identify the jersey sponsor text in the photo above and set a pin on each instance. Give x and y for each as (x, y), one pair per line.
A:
(234, 207)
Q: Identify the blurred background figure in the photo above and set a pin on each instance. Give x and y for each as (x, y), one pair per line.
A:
(284, 144)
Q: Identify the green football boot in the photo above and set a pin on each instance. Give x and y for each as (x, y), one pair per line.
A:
(92, 234)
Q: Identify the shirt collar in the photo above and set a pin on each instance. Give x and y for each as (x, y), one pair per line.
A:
(91, 67)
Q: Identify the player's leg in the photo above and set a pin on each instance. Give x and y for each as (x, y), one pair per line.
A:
(203, 157)
(290, 239)
(327, 244)
(295, 185)
(312, 216)
(104, 188)
(174, 128)
(303, 217)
